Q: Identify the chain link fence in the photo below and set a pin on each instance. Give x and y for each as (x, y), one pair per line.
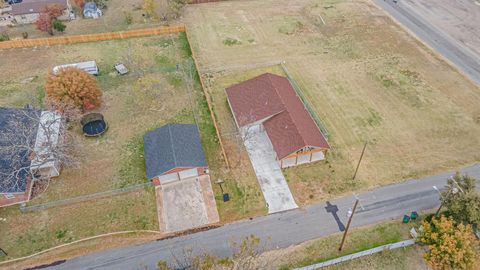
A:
(84, 198)
(305, 101)
(400, 244)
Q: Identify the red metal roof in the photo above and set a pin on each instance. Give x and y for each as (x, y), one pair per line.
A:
(272, 99)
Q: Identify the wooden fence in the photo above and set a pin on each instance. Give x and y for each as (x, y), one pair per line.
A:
(61, 40)
(209, 103)
(25, 43)
(203, 1)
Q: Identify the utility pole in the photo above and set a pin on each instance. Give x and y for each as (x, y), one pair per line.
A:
(451, 190)
(348, 224)
(360, 160)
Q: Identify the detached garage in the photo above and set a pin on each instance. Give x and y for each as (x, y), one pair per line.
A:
(173, 153)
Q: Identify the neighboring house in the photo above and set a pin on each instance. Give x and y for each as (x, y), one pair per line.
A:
(173, 153)
(28, 11)
(90, 10)
(269, 103)
(20, 131)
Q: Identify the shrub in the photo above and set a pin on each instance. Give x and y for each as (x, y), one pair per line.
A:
(59, 26)
(128, 18)
(4, 37)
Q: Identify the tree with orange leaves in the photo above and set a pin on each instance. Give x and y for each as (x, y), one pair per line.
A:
(79, 3)
(50, 13)
(450, 246)
(45, 23)
(54, 10)
(73, 87)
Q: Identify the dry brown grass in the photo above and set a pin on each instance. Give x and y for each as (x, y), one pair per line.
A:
(133, 104)
(151, 95)
(114, 19)
(359, 239)
(26, 233)
(366, 77)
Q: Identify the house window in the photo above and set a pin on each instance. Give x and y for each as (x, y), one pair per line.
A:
(9, 196)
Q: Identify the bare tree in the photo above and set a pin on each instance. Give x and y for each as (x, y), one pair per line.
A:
(36, 144)
(246, 255)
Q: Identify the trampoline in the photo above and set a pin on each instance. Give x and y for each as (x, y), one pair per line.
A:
(93, 124)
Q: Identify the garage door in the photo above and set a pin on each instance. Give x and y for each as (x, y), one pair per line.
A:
(168, 178)
(188, 173)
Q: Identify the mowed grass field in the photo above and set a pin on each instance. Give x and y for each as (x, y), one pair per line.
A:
(367, 78)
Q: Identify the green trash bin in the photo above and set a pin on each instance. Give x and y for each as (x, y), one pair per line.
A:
(406, 219)
(414, 215)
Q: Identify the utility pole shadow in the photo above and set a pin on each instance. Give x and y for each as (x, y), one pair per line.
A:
(331, 208)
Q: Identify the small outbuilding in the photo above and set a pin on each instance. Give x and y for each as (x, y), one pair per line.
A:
(173, 153)
(87, 66)
(121, 68)
(90, 10)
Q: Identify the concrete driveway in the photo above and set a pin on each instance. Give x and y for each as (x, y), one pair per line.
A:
(269, 174)
(186, 204)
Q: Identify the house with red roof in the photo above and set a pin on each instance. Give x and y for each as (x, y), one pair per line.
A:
(269, 103)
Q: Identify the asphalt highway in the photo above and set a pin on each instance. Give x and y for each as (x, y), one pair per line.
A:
(460, 56)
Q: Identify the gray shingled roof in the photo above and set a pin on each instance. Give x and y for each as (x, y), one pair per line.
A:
(12, 158)
(172, 146)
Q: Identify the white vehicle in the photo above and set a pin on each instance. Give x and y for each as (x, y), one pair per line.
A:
(89, 67)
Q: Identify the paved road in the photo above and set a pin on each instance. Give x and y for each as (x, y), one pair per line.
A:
(463, 58)
(278, 230)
